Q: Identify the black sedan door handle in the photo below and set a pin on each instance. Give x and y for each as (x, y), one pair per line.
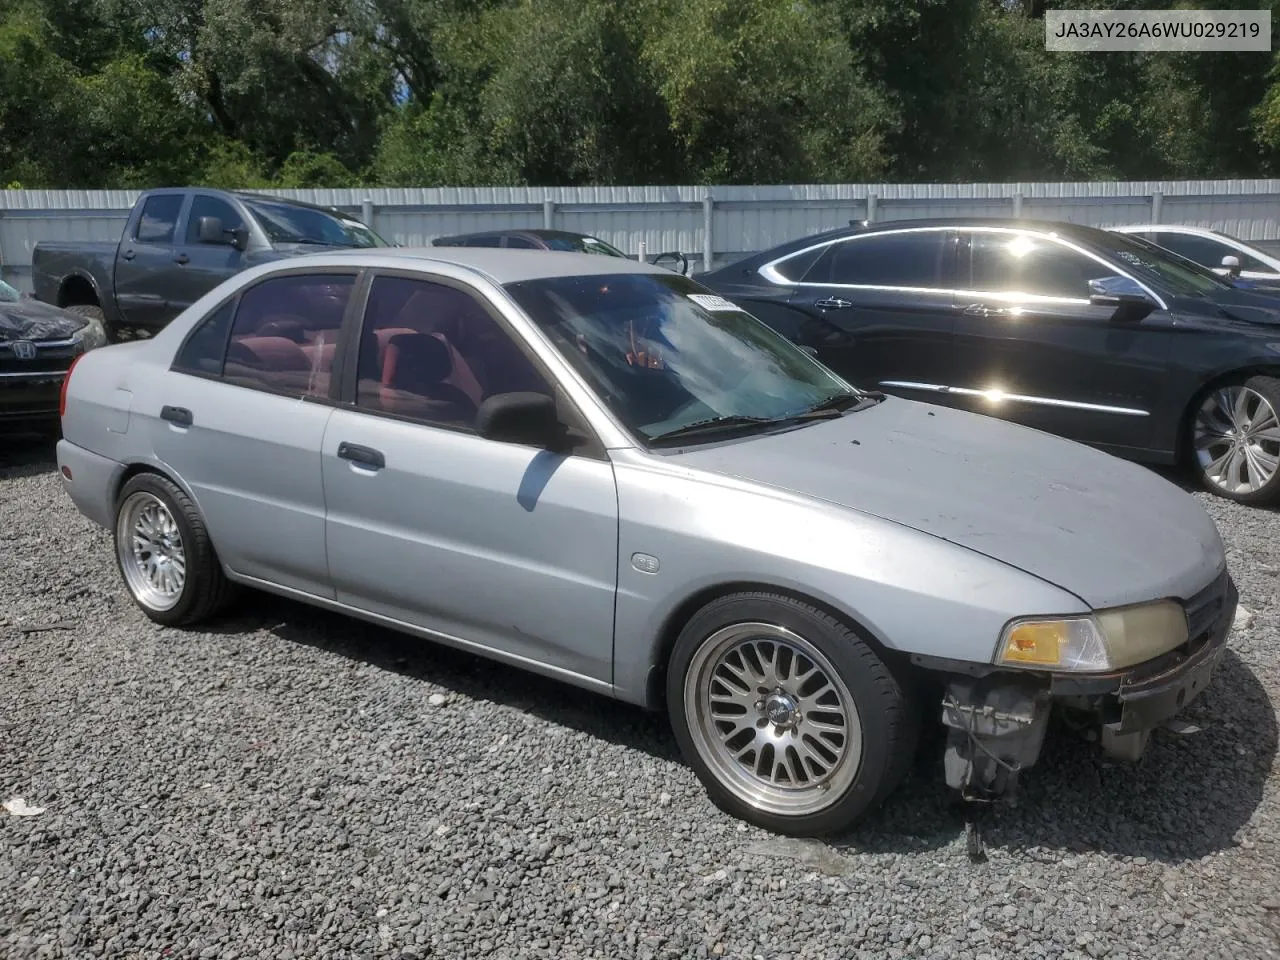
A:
(177, 415)
(127, 255)
(365, 456)
(832, 303)
(182, 258)
(982, 310)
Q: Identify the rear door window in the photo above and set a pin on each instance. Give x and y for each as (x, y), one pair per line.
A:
(907, 259)
(280, 335)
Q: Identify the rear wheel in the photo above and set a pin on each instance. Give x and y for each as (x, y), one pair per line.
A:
(1235, 438)
(788, 717)
(165, 555)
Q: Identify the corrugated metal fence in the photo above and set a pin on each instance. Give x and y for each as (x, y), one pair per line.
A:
(708, 224)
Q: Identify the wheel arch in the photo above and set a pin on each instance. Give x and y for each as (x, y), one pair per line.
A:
(1234, 374)
(684, 611)
(138, 467)
(79, 289)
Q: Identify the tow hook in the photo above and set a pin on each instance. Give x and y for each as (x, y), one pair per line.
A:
(996, 728)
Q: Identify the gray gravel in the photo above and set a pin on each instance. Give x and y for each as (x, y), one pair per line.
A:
(294, 784)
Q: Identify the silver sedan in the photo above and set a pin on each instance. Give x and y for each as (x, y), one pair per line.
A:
(597, 470)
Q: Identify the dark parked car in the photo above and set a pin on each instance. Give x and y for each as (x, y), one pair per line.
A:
(179, 244)
(38, 343)
(1073, 330)
(566, 240)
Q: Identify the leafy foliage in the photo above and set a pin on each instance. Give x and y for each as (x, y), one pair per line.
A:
(256, 93)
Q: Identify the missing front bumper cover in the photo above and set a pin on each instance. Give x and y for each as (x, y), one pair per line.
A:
(996, 730)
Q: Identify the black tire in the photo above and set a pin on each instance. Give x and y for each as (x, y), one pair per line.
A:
(886, 711)
(206, 589)
(95, 312)
(1268, 389)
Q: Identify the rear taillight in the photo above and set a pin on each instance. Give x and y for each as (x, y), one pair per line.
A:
(62, 395)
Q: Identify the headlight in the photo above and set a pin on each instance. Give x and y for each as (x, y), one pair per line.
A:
(91, 335)
(1106, 640)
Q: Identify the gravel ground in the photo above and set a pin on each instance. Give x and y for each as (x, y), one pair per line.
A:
(295, 784)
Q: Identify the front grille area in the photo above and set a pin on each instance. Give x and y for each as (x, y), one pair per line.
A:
(1205, 608)
(52, 356)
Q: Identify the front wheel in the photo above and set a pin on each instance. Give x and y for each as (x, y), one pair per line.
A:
(1235, 436)
(788, 717)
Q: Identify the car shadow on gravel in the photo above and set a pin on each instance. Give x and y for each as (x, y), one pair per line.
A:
(1188, 797)
(27, 455)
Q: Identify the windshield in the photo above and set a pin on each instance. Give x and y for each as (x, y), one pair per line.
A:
(583, 245)
(8, 294)
(286, 223)
(663, 353)
(1157, 265)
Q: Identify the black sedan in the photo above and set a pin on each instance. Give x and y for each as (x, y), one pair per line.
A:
(1065, 328)
(544, 239)
(38, 342)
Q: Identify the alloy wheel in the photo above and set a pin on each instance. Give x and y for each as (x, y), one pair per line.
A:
(1237, 439)
(152, 557)
(772, 718)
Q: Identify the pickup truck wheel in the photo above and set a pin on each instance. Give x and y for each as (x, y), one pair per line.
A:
(165, 555)
(787, 715)
(95, 312)
(1235, 437)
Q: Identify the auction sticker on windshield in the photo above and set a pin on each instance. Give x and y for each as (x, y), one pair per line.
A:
(709, 301)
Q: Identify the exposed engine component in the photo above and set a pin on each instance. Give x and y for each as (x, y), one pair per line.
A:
(996, 728)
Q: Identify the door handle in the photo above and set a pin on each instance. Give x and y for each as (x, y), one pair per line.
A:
(177, 415)
(832, 303)
(365, 456)
(127, 255)
(982, 310)
(182, 258)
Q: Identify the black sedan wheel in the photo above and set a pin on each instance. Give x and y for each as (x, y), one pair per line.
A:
(1236, 439)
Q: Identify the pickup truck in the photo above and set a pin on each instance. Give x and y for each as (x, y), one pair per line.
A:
(177, 245)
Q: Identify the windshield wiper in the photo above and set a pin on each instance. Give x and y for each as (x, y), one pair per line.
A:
(832, 407)
(711, 425)
(841, 403)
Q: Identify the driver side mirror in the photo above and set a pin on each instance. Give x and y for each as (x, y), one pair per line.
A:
(210, 230)
(1127, 307)
(524, 418)
(1232, 265)
(1128, 301)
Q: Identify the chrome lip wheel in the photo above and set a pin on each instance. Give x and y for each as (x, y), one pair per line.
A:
(771, 717)
(149, 546)
(1237, 439)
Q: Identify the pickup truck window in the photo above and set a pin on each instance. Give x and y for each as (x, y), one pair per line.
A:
(286, 223)
(159, 218)
(205, 206)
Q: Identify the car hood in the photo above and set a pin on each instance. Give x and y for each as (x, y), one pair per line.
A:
(33, 320)
(1258, 305)
(1107, 530)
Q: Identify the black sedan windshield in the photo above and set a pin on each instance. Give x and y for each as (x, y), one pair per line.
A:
(664, 353)
(1156, 265)
(287, 223)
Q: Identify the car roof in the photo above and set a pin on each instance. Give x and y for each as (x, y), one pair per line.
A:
(1079, 232)
(540, 232)
(497, 265)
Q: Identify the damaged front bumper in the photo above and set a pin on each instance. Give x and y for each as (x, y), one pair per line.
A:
(997, 718)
